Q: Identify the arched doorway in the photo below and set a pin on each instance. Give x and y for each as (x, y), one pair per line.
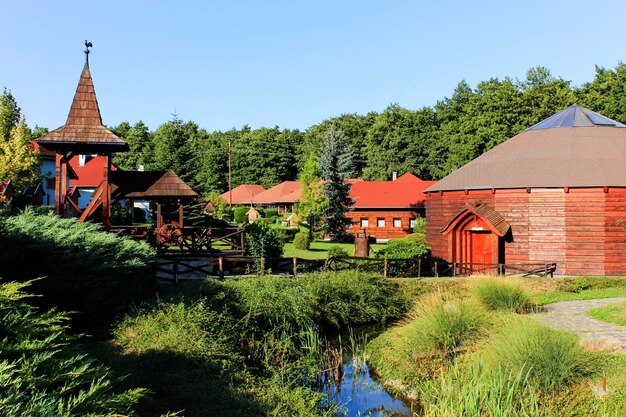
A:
(475, 237)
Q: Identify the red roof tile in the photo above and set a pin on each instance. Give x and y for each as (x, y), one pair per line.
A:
(285, 192)
(91, 174)
(404, 192)
(244, 194)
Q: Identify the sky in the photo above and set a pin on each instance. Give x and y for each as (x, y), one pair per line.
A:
(226, 64)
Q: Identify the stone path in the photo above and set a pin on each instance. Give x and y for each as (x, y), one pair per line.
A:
(572, 316)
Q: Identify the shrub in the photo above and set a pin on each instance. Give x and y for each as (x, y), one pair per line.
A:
(498, 294)
(241, 214)
(302, 241)
(403, 249)
(420, 226)
(42, 371)
(336, 250)
(447, 325)
(271, 212)
(553, 358)
(44, 210)
(263, 241)
(286, 234)
(86, 270)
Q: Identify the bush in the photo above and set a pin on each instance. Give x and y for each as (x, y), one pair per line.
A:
(553, 358)
(86, 270)
(286, 234)
(271, 212)
(263, 241)
(447, 325)
(302, 241)
(336, 250)
(42, 371)
(498, 294)
(241, 214)
(420, 226)
(403, 249)
(44, 210)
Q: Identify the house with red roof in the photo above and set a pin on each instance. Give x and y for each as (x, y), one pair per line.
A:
(387, 209)
(282, 196)
(89, 171)
(243, 195)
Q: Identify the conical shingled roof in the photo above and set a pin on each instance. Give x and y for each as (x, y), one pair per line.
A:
(83, 131)
(149, 185)
(573, 148)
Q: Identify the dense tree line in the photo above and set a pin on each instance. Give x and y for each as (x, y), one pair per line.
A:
(430, 142)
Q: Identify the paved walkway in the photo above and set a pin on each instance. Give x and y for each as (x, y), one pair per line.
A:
(572, 316)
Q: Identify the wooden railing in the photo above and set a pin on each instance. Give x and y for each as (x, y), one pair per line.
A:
(472, 268)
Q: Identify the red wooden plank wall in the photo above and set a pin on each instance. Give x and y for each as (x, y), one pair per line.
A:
(582, 229)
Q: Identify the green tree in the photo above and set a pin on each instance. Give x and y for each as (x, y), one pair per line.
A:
(312, 201)
(18, 160)
(606, 94)
(10, 114)
(140, 143)
(335, 162)
(220, 207)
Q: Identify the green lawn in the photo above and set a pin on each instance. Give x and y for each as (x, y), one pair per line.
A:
(319, 249)
(613, 313)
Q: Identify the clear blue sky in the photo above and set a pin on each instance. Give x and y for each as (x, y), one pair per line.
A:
(224, 64)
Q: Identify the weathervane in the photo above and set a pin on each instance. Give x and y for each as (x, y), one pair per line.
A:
(87, 45)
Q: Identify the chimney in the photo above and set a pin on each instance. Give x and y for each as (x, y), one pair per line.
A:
(394, 175)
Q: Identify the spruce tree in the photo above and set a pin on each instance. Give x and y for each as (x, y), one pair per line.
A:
(335, 162)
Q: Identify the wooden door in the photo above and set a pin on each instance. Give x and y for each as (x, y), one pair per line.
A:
(482, 247)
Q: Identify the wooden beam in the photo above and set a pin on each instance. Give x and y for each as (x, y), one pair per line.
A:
(63, 185)
(106, 197)
(57, 185)
(180, 214)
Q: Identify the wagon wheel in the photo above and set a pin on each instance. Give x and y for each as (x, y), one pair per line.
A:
(170, 234)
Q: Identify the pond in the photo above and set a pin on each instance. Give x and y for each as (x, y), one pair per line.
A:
(355, 387)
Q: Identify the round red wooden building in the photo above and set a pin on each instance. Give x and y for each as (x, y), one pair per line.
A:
(554, 193)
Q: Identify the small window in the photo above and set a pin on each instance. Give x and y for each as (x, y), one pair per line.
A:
(365, 222)
(397, 222)
(380, 222)
(412, 223)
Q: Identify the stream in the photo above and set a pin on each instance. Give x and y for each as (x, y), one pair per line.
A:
(357, 389)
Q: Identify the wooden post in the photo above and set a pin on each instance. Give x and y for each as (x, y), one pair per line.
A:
(159, 219)
(500, 269)
(63, 184)
(263, 265)
(57, 185)
(295, 266)
(385, 266)
(106, 197)
(545, 274)
(454, 269)
(419, 267)
(436, 272)
(220, 265)
(180, 214)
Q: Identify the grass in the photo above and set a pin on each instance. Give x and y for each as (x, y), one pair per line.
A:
(319, 249)
(612, 313)
(502, 295)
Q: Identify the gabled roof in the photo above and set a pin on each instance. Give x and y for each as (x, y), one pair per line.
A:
(83, 131)
(574, 148)
(91, 174)
(244, 194)
(497, 223)
(404, 192)
(285, 192)
(149, 185)
(7, 188)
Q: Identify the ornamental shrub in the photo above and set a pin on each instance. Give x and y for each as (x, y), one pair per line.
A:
(404, 248)
(337, 250)
(240, 214)
(498, 294)
(263, 241)
(302, 241)
(86, 270)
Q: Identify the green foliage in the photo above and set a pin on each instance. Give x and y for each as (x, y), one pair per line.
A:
(220, 207)
(499, 294)
(43, 373)
(447, 325)
(241, 215)
(18, 160)
(286, 234)
(141, 146)
(468, 390)
(263, 241)
(312, 201)
(302, 241)
(553, 359)
(87, 270)
(404, 248)
(420, 226)
(337, 250)
(335, 163)
(271, 212)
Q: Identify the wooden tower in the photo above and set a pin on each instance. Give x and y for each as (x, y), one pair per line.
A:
(83, 133)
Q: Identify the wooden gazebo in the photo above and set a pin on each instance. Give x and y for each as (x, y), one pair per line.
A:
(83, 133)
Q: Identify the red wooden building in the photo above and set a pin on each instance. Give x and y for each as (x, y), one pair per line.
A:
(554, 193)
(387, 209)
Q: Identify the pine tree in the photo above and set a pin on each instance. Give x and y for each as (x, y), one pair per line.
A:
(335, 162)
